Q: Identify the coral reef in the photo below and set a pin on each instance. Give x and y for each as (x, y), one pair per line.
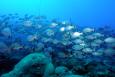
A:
(31, 66)
(37, 64)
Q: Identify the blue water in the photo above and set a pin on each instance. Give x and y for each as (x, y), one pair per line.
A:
(82, 12)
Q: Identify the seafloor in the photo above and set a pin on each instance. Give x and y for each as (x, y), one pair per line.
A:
(33, 46)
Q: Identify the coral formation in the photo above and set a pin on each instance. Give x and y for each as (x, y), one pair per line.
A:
(31, 66)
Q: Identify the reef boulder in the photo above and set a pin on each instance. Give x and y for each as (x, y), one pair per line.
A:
(33, 65)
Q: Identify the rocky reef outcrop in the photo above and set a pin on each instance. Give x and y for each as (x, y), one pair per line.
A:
(38, 65)
(33, 65)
